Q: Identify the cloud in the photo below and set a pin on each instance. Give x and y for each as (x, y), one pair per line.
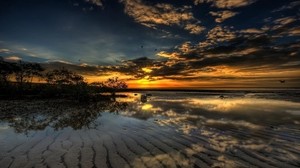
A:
(164, 14)
(252, 31)
(176, 69)
(285, 20)
(220, 34)
(291, 5)
(222, 15)
(5, 50)
(194, 28)
(83, 70)
(284, 26)
(230, 55)
(294, 31)
(166, 54)
(185, 51)
(60, 61)
(13, 58)
(135, 67)
(229, 4)
(186, 47)
(154, 15)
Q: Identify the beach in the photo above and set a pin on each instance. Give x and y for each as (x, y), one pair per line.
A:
(169, 129)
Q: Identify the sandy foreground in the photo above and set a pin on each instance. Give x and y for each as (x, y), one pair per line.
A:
(53, 134)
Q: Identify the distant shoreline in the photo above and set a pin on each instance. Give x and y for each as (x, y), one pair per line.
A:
(209, 89)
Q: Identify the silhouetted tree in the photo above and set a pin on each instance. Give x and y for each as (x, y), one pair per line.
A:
(24, 72)
(6, 69)
(64, 79)
(35, 70)
(114, 84)
(97, 87)
(97, 84)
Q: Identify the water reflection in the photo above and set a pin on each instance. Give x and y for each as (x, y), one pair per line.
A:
(186, 111)
(168, 130)
(252, 112)
(26, 116)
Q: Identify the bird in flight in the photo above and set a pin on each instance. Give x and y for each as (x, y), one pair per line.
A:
(282, 81)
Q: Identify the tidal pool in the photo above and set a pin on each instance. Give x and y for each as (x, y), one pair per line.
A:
(168, 129)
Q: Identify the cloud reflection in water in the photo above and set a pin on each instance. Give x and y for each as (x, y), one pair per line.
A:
(172, 129)
(240, 111)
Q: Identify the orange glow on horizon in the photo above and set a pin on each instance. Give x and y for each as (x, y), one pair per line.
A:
(222, 76)
(145, 83)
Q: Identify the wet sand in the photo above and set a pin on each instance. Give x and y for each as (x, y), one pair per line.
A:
(114, 138)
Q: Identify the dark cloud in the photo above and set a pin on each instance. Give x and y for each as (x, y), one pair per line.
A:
(291, 5)
(84, 70)
(153, 15)
(226, 3)
(222, 15)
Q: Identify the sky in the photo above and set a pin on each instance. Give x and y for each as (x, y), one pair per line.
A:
(159, 43)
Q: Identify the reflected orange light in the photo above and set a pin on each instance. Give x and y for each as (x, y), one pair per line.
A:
(147, 107)
(243, 104)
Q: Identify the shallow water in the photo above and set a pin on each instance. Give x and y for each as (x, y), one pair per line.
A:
(168, 129)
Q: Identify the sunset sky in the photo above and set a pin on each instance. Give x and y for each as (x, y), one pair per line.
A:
(159, 43)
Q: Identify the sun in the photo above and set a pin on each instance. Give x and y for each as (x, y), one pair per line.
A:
(144, 82)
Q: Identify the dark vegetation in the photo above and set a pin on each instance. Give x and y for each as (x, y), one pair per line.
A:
(17, 81)
(26, 115)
